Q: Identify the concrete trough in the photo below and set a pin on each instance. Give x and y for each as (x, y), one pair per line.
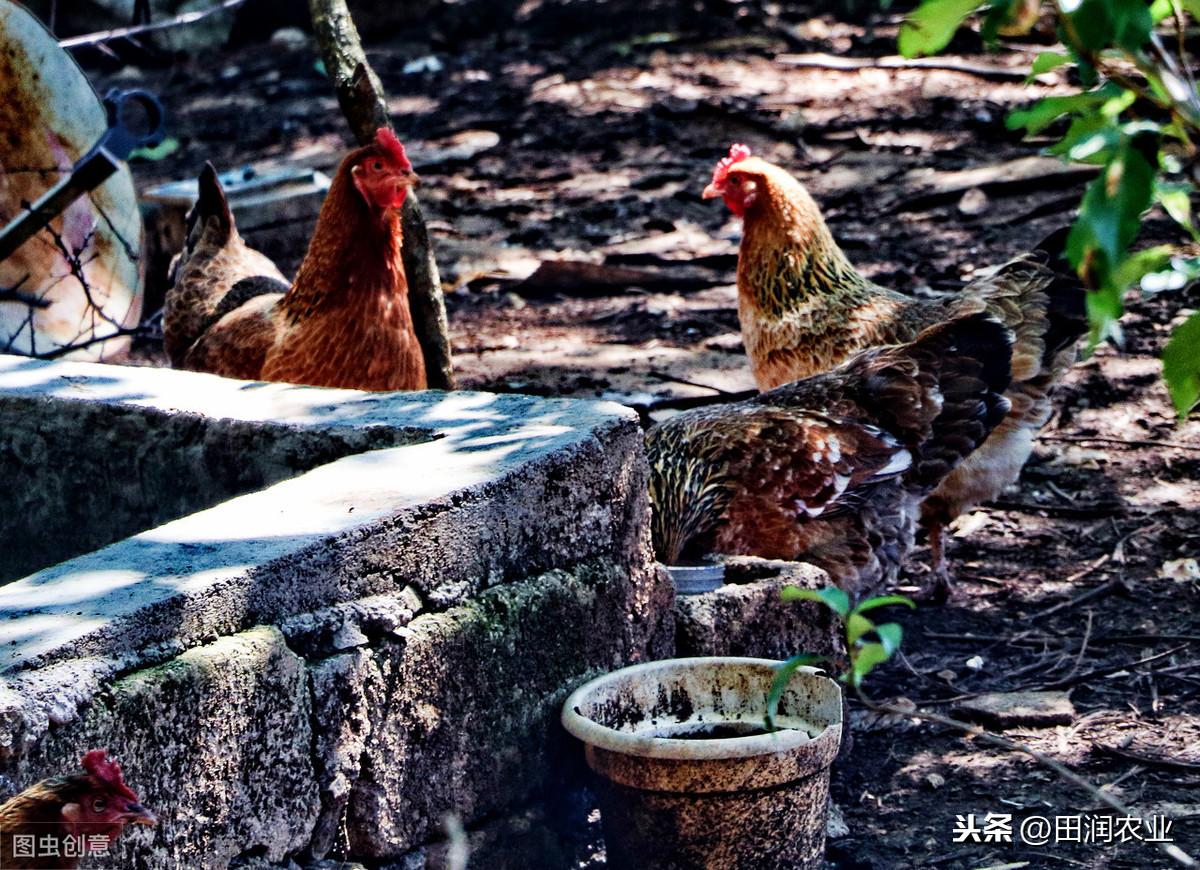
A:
(314, 622)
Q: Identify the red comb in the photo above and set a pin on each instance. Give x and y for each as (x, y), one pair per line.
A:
(97, 763)
(737, 153)
(387, 140)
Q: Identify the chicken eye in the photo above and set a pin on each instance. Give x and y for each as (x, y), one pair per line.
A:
(377, 165)
(99, 805)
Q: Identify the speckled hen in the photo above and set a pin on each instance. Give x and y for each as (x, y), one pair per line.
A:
(804, 308)
(831, 469)
(344, 322)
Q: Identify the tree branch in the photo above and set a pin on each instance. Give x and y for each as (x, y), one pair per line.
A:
(15, 294)
(360, 94)
(97, 39)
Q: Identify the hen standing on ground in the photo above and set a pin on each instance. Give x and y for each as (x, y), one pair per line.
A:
(51, 823)
(804, 308)
(344, 322)
(831, 469)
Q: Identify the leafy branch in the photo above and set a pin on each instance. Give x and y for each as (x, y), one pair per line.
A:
(870, 644)
(1137, 115)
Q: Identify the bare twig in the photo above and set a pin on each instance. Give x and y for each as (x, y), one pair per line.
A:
(1119, 442)
(1170, 849)
(851, 64)
(361, 96)
(1103, 509)
(96, 39)
(1148, 760)
(1087, 676)
(15, 294)
(1117, 585)
(1083, 647)
(64, 349)
(672, 379)
(686, 403)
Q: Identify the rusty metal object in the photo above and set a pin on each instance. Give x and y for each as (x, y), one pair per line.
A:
(78, 281)
(690, 778)
(124, 134)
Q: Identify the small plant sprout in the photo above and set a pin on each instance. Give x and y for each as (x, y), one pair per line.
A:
(868, 643)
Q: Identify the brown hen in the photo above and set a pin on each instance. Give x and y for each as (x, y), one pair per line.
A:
(804, 308)
(344, 322)
(56, 822)
(830, 469)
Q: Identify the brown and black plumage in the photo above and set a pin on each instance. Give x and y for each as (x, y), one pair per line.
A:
(57, 821)
(831, 469)
(344, 321)
(804, 308)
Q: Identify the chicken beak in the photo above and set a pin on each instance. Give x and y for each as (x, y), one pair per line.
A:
(712, 192)
(413, 179)
(136, 814)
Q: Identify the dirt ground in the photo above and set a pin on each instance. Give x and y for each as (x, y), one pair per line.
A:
(588, 140)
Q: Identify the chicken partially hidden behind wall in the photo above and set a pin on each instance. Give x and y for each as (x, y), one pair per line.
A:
(344, 321)
(56, 822)
(831, 469)
(804, 308)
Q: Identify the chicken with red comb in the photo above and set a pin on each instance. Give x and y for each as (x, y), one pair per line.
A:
(804, 309)
(57, 822)
(343, 322)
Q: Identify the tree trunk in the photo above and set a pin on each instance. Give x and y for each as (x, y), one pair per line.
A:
(361, 97)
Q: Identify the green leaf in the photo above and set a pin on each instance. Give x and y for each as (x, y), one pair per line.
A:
(1047, 61)
(1181, 365)
(865, 659)
(856, 626)
(1161, 9)
(1176, 200)
(884, 601)
(1047, 110)
(995, 19)
(1109, 220)
(1100, 24)
(1141, 263)
(1090, 139)
(932, 25)
(890, 635)
(832, 597)
(163, 149)
(1104, 308)
(783, 675)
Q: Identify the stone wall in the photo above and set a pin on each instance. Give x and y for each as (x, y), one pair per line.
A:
(334, 663)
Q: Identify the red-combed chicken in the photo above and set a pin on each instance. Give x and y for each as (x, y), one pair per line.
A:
(56, 822)
(804, 308)
(831, 469)
(344, 321)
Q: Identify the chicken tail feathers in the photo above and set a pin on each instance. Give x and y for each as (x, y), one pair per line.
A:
(969, 361)
(211, 203)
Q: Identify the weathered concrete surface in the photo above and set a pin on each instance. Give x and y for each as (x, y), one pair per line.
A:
(506, 487)
(431, 606)
(746, 616)
(132, 469)
(479, 680)
(216, 741)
